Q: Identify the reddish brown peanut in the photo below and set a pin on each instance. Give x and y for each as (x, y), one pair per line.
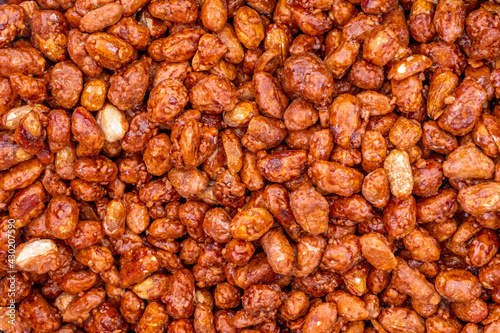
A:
(258, 166)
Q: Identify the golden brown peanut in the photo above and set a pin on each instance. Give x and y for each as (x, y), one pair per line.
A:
(366, 76)
(373, 150)
(381, 46)
(310, 210)
(143, 262)
(49, 29)
(185, 11)
(37, 256)
(485, 134)
(39, 313)
(345, 121)
(30, 89)
(251, 224)
(62, 217)
(87, 132)
(458, 285)
(214, 14)
(422, 246)
(21, 175)
(483, 247)
(78, 53)
(279, 251)
(413, 283)
(65, 85)
(87, 233)
(359, 27)
(283, 166)
(152, 288)
(405, 133)
(295, 305)
(460, 117)
(269, 96)
(28, 61)
(322, 146)
(456, 165)
(309, 254)
(343, 12)
(101, 17)
(141, 129)
(427, 177)
(14, 24)
(100, 47)
(436, 139)
(153, 318)
(238, 252)
(398, 170)
(97, 258)
(203, 320)
(248, 26)
(376, 189)
(213, 95)
(241, 115)
(320, 319)
(233, 151)
(311, 22)
(166, 100)
(473, 311)
(349, 306)
(7, 96)
(449, 19)
(377, 251)
(132, 32)
(189, 182)
(354, 208)
(113, 223)
(181, 285)
(408, 93)
(93, 95)
(340, 59)
(409, 66)
(343, 254)
(335, 178)
(299, 115)
(250, 174)
(296, 73)
(420, 22)
(263, 133)
(228, 36)
(30, 133)
(397, 318)
(438, 207)
(210, 51)
(79, 309)
(382, 124)
(98, 169)
(442, 85)
(128, 86)
(179, 46)
(400, 216)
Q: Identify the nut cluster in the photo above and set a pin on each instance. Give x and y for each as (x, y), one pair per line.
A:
(258, 166)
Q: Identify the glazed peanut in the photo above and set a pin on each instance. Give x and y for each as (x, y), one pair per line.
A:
(250, 166)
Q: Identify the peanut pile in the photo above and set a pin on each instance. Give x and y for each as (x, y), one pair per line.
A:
(250, 166)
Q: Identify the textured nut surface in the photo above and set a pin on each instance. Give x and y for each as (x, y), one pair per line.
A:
(250, 166)
(398, 170)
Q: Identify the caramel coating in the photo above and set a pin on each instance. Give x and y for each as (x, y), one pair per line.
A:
(258, 166)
